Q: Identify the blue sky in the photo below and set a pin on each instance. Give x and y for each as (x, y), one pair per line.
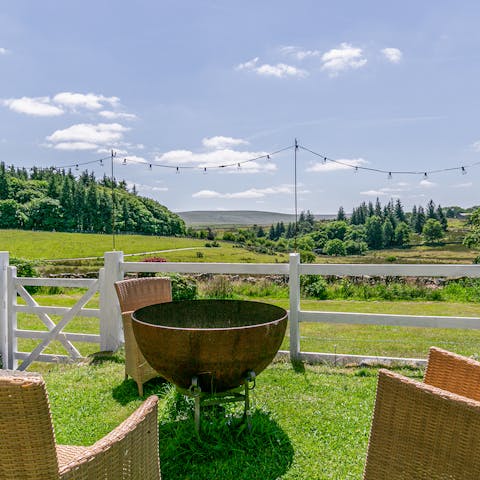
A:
(385, 85)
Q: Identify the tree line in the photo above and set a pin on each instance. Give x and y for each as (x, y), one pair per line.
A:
(50, 199)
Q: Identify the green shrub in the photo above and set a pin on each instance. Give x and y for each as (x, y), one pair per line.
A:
(314, 286)
(183, 287)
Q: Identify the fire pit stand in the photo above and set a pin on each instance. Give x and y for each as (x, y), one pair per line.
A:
(207, 399)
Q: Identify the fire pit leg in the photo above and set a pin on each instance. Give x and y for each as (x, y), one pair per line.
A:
(250, 377)
(196, 391)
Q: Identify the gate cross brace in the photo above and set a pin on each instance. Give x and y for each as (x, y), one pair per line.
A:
(56, 329)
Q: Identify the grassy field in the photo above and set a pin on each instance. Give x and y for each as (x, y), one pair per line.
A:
(57, 245)
(309, 423)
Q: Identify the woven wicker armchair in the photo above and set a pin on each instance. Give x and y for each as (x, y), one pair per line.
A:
(29, 452)
(420, 432)
(134, 294)
(452, 372)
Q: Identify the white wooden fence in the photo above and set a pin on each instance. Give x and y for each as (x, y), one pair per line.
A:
(115, 268)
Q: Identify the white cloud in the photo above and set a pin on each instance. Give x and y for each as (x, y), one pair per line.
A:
(280, 70)
(476, 146)
(343, 58)
(427, 184)
(4, 51)
(81, 134)
(393, 55)
(298, 53)
(66, 102)
(346, 164)
(250, 65)
(145, 188)
(109, 115)
(386, 191)
(246, 194)
(220, 142)
(39, 106)
(74, 146)
(216, 158)
(90, 101)
(463, 185)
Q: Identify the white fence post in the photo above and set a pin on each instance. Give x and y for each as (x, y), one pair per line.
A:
(12, 362)
(3, 308)
(294, 293)
(110, 322)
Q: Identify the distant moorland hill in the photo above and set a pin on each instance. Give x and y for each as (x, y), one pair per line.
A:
(239, 217)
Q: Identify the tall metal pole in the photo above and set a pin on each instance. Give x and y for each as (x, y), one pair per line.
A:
(113, 202)
(296, 197)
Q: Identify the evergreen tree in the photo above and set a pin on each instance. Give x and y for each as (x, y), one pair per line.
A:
(413, 217)
(431, 210)
(402, 234)
(442, 218)
(341, 214)
(399, 212)
(420, 222)
(388, 233)
(373, 233)
(378, 208)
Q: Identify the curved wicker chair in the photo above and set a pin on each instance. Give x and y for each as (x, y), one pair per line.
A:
(420, 432)
(133, 294)
(29, 451)
(452, 372)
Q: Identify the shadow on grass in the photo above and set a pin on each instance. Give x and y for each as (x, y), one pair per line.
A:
(225, 449)
(127, 391)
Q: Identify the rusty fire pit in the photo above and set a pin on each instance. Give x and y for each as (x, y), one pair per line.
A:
(217, 342)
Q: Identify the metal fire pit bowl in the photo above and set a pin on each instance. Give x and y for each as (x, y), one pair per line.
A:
(217, 342)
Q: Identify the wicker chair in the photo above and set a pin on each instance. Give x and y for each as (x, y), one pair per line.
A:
(452, 372)
(134, 294)
(29, 451)
(420, 432)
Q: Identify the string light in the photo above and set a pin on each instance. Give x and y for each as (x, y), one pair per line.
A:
(238, 164)
(424, 173)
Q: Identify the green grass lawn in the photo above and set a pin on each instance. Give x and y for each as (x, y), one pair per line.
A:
(308, 423)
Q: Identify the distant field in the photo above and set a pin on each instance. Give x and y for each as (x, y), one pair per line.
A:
(59, 245)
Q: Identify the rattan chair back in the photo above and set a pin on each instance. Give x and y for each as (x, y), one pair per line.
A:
(27, 441)
(452, 372)
(133, 294)
(422, 432)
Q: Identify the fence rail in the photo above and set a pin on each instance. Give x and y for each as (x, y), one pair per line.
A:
(111, 335)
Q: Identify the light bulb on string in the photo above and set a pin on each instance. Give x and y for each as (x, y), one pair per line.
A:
(76, 167)
(150, 166)
(389, 177)
(464, 171)
(204, 170)
(324, 160)
(101, 162)
(177, 171)
(425, 175)
(239, 167)
(356, 170)
(124, 161)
